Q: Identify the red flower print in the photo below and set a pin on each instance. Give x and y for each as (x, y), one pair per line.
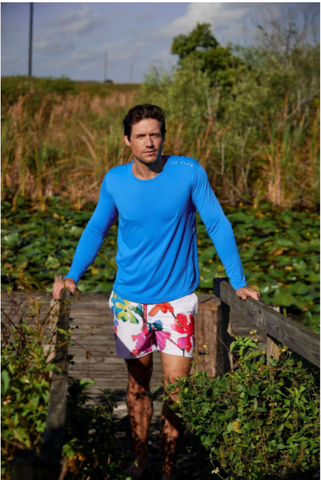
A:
(184, 324)
(163, 307)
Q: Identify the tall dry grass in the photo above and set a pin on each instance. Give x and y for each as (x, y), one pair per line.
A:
(65, 146)
(65, 149)
(291, 159)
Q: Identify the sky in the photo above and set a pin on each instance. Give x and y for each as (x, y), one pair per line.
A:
(72, 39)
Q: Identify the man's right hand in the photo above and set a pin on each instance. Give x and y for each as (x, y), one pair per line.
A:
(59, 286)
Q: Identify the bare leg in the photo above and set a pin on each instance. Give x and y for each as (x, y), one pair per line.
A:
(140, 410)
(173, 367)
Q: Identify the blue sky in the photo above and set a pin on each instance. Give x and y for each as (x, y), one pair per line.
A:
(71, 39)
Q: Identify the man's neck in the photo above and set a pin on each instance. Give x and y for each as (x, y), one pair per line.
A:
(145, 171)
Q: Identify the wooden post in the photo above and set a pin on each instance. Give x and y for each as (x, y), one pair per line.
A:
(272, 348)
(54, 309)
(208, 352)
(226, 327)
(50, 460)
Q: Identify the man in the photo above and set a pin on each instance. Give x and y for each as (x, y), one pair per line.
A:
(155, 197)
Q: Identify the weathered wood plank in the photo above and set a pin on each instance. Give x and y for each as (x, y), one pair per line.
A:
(272, 348)
(55, 423)
(204, 297)
(298, 338)
(208, 353)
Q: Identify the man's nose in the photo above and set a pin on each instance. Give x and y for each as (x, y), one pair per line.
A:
(149, 141)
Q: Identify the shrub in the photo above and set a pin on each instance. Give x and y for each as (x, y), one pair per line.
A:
(25, 382)
(257, 421)
(91, 450)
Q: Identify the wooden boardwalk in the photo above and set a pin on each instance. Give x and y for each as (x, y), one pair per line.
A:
(93, 345)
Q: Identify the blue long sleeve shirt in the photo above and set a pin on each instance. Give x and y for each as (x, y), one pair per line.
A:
(157, 246)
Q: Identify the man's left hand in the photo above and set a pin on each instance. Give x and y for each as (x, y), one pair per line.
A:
(245, 292)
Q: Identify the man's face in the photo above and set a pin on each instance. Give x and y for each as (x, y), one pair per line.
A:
(146, 141)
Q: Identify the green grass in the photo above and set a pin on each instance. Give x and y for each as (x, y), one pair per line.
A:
(13, 87)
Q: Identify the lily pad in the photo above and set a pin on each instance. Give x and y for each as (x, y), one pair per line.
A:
(207, 255)
(241, 217)
(11, 239)
(299, 288)
(283, 298)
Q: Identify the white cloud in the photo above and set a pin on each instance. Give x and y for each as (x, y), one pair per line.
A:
(163, 58)
(11, 57)
(143, 16)
(91, 54)
(52, 44)
(217, 14)
(62, 32)
(226, 19)
(82, 21)
(127, 48)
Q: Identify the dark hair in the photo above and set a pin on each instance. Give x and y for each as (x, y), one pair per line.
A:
(141, 112)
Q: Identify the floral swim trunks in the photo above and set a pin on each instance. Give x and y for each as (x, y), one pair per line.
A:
(143, 328)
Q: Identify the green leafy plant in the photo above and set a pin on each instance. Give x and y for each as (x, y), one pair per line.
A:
(219, 62)
(25, 382)
(257, 422)
(91, 449)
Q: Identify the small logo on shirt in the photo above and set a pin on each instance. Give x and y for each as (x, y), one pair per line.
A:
(183, 163)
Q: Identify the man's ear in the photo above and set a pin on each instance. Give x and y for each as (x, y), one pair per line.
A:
(127, 141)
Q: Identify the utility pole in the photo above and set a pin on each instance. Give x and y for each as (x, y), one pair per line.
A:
(105, 67)
(30, 40)
(131, 73)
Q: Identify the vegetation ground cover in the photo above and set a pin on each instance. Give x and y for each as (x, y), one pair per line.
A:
(91, 448)
(258, 422)
(279, 251)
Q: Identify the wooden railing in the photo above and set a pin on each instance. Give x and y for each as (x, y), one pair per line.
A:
(278, 327)
(25, 465)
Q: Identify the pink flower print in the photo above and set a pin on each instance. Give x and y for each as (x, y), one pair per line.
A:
(185, 343)
(143, 345)
(184, 324)
(161, 338)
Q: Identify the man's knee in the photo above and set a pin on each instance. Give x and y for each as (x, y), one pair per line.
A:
(139, 373)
